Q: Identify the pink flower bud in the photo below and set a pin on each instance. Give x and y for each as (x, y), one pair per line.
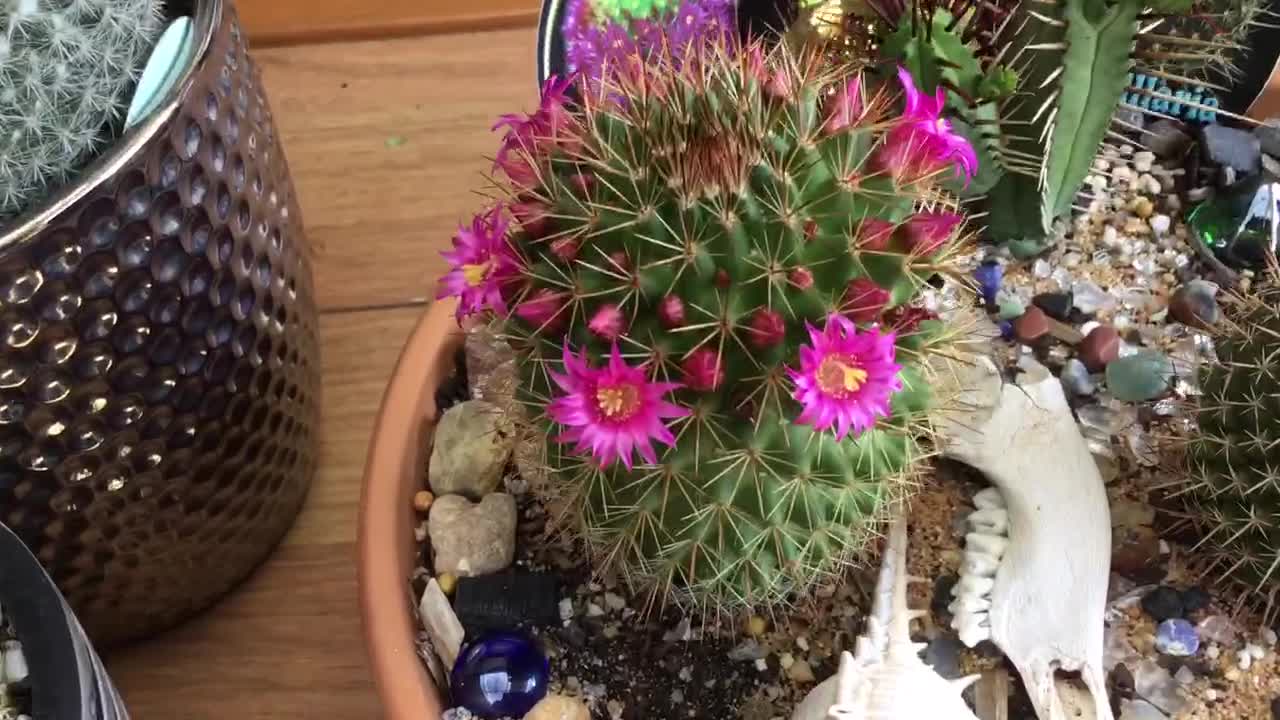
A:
(702, 370)
(532, 216)
(671, 311)
(864, 300)
(723, 281)
(845, 107)
(583, 183)
(801, 277)
(619, 261)
(874, 234)
(544, 309)
(608, 322)
(766, 328)
(927, 232)
(780, 85)
(565, 248)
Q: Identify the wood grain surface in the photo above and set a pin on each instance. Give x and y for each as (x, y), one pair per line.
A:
(286, 22)
(287, 644)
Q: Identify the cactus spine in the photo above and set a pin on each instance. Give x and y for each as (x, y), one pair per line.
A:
(744, 232)
(66, 70)
(1234, 457)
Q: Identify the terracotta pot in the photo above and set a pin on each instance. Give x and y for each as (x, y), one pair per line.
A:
(395, 470)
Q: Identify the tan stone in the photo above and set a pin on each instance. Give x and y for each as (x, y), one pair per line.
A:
(559, 707)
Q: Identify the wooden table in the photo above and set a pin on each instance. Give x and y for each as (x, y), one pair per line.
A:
(386, 140)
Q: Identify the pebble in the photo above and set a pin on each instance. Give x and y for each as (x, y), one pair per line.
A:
(1076, 380)
(1142, 207)
(1213, 652)
(559, 707)
(1160, 224)
(1135, 550)
(1139, 377)
(1275, 709)
(473, 441)
(1268, 636)
(757, 626)
(1142, 161)
(1195, 303)
(1009, 306)
(748, 650)
(1140, 710)
(566, 609)
(1194, 599)
(1100, 348)
(1177, 637)
(594, 610)
(1257, 651)
(1244, 660)
(802, 642)
(1163, 603)
(1090, 299)
(1149, 185)
(1231, 147)
(614, 602)
(441, 623)
(448, 582)
(13, 665)
(1056, 305)
(472, 539)
(1184, 676)
(800, 672)
(1167, 139)
(1032, 326)
(422, 500)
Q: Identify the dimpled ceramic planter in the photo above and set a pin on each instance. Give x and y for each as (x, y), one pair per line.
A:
(159, 369)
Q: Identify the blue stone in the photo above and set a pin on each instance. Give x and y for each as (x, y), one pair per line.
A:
(500, 674)
(1006, 329)
(1177, 637)
(989, 276)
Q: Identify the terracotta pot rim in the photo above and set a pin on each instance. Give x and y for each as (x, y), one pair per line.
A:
(394, 470)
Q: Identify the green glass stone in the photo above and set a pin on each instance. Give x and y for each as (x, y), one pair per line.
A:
(1239, 226)
(1009, 306)
(1139, 377)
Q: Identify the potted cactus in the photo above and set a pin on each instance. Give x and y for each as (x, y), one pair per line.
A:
(710, 269)
(160, 369)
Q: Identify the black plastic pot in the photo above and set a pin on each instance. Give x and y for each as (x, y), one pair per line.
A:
(68, 681)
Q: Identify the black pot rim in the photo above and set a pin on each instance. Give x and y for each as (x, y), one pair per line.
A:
(550, 49)
(29, 224)
(43, 624)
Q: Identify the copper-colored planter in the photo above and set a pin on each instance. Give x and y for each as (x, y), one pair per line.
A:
(395, 470)
(159, 364)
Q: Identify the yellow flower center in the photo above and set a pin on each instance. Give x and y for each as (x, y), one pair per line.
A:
(618, 402)
(839, 376)
(475, 274)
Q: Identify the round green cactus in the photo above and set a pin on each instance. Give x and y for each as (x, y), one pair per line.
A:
(708, 284)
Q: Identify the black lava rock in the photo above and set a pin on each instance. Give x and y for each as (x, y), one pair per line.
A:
(1056, 305)
(1163, 603)
(506, 600)
(942, 595)
(1121, 681)
(1231, 147)
(1194, 599)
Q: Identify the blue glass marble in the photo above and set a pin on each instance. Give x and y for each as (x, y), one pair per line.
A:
(1006, 329)
(500, 674)
(989, 275)
(1177, 637)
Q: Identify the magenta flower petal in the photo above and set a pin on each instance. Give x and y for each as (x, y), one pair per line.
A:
(846, 378)
(929, 231)
(921, 142)
(482, 265)
(529, 138)
(845, 108)
(611, 411)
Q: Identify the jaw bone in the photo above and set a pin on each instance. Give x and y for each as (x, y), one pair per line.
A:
(1037, 557)
(885, 679)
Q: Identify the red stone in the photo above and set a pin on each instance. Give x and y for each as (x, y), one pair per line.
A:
(1032, 326)
(1099, 347)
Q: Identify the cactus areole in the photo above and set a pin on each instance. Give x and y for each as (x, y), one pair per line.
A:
(707, 269)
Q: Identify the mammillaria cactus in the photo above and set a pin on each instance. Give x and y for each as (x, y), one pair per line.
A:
(66, 70)
(1234, 457)
(707, 276)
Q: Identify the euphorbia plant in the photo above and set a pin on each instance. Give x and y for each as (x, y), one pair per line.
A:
(707, 268)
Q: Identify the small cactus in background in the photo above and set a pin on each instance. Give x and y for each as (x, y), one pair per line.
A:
(708, 279)
(1234, 453)
(67, 68)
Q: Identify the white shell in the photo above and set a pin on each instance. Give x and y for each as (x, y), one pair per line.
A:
(1049, 595)
(886, 679)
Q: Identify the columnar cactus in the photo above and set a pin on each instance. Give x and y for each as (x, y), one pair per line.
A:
(706, 269)
(1234, 457)
(67, 68)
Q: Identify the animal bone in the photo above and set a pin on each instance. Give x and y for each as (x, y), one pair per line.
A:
(1037, 559)
(885, 679)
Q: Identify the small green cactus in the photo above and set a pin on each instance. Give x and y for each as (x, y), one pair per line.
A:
(707, 282)
(1234, 454)
(66, 70)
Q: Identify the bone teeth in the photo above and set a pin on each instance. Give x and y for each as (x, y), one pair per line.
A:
(969, 604)
(992, 545)
(991, 521)
(976, 563)
(988, 499)
(972, 628)
(973, 585)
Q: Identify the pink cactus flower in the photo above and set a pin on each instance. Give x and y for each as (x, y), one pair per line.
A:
(846, 378)
(565, 248)
(671, 311)
(874, 234)
(530, 137)
(845, 108)
(927, 232)
(544, 309)
(922, 143)
(801, 277)
(612, 410)
(608, 322)
(703, 370)
(766, 328)
(532, 215)
(482, 265)
(864, 300)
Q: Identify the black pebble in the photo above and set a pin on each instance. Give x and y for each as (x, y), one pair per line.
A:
(1055, 305)
(942, 594)
(506, 600)
(1163, 603)
(1275, 709)
(1122, 684)
(1194, 599)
